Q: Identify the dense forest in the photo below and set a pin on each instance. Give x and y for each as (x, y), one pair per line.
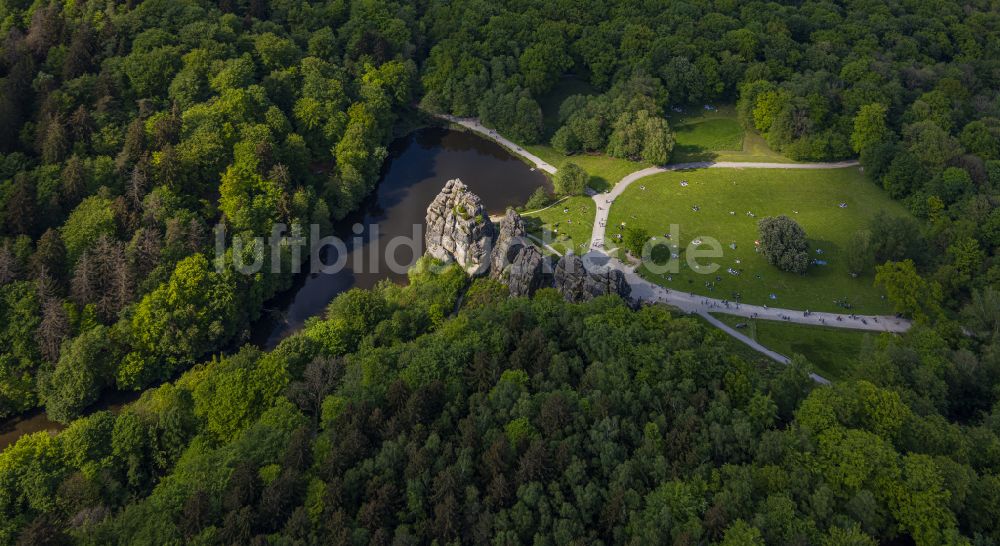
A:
(129, 129)
(521, 421)
(139, 128)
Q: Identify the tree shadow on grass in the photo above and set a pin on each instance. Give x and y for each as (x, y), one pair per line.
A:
(824, 265)
(532, 224)
(690, 153)
(822, 254)
(599, 184)
(660, 254)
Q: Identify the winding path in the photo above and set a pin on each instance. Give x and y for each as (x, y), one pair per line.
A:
(645, 291)
(604, 200)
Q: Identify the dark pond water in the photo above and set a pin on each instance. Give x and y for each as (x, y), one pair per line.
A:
(36, 420)
(417, 168)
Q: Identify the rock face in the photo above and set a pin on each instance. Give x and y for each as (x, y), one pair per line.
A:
(458, 229)
(578, 282)
(515, 261)
(528, 272)
(508, 244)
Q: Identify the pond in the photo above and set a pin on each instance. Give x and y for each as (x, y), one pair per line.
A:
(36, 420)
(416, 169)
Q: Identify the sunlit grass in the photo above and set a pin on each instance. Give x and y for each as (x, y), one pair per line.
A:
(565, 226)
(724, 198)
(716, 135)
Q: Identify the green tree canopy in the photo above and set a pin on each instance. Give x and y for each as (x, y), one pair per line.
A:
(571, 179)
(908, 292)
(870, 127)
(91, 219)
(783, 243)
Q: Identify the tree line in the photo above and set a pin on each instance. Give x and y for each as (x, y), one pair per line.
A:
(136, 128)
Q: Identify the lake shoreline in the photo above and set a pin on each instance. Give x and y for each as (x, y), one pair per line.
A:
(419, 163)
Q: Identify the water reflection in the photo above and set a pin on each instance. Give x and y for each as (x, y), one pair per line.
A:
(417, 168)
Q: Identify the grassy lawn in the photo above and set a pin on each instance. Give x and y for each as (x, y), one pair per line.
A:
(716, 135)
(833, 352)
(701, 131)
(724, 198)
(565, 226)
(702, 135)
(605, 171)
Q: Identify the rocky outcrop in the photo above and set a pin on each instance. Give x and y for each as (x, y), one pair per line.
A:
(515, 261)
(528, 272)
(578, 280)
(510, 241)
(458, 229)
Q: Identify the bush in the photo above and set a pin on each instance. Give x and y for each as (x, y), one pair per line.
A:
(783, 242)
(634, 240)
(538, 200)
(571, 180)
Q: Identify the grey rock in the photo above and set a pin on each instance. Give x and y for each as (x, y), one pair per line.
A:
(510, 240)
(528, 272)
(568, 277)
(578, 280)
(458, 229)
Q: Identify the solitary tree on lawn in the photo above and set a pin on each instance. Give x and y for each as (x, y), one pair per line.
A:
(783, 243)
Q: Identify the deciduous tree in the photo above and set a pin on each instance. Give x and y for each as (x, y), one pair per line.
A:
(783, 243)
(908, 292)
(571, 179)
(870, 127)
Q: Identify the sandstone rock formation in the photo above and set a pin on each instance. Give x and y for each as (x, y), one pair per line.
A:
(510, 241)
(528, 272)
(458, 229)
(578, 281)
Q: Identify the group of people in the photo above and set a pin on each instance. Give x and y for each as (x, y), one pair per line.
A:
(843, 303)
(708, 303)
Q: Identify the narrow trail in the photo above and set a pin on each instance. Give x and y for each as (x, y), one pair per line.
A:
(646, 291)
(473, 124)
(757, 346)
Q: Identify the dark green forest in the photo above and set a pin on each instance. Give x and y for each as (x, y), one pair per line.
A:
(128, 130)
(517, 421)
